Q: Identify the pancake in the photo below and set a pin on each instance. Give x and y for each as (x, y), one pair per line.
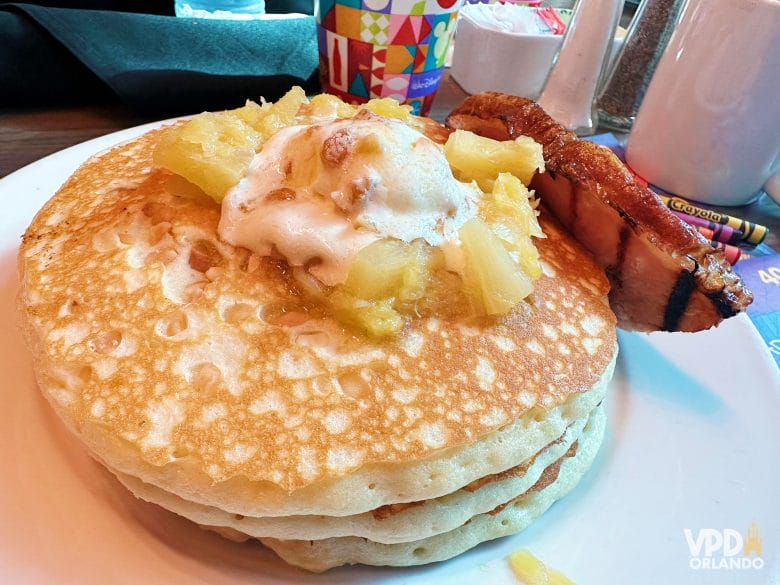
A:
(557, 481)
(389, 524)
(183, 364)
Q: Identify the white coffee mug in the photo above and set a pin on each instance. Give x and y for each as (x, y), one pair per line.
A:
(709, 126)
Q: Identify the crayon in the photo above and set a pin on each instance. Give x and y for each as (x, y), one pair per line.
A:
(707, 233)
(720, 232)
(732, 253)
(752, 233)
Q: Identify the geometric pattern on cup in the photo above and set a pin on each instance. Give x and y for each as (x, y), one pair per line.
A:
(374, 28)
(376, 5)
(395, 85)
(400, 58)
(409, 7)
(409, 30)
(348, 21)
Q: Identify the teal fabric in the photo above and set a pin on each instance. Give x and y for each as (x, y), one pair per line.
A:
(158, 64)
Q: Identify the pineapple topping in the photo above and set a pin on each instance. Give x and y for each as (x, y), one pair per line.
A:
(377, 222)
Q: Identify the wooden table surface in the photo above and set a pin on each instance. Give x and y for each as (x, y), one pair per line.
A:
(28, 135)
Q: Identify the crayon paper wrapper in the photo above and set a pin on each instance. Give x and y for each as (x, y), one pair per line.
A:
(384, 48)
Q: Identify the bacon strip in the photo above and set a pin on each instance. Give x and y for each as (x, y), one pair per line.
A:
(664, 275)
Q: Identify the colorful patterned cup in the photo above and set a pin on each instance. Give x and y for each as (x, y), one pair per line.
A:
(384, 48)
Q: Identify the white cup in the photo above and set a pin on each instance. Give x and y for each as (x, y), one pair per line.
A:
(709, 126)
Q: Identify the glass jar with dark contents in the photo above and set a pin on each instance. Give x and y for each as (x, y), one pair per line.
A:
(625, 84)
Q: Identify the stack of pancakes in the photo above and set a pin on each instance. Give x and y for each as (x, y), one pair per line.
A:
(188, 369)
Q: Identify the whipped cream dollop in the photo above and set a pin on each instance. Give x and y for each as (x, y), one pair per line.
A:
(318, 194)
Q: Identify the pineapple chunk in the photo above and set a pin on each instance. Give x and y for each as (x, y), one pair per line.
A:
(376, 318)
(417, 272)
(252, 113)
(510, 202)
(212, 150)
(493, 282)
(378, 270)
(178, 186)
(325, 105)
(282, 113)
(508, 211)
(527, 257)
(389, 108)
(532, 571)
(384, 276)
(480, 159)
(390, 269)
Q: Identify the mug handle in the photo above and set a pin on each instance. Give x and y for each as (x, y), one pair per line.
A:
(772, 187)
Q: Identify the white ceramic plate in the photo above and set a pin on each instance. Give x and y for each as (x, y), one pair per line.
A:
(693, 443)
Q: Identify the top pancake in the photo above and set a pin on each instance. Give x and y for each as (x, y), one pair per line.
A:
(161, 346)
